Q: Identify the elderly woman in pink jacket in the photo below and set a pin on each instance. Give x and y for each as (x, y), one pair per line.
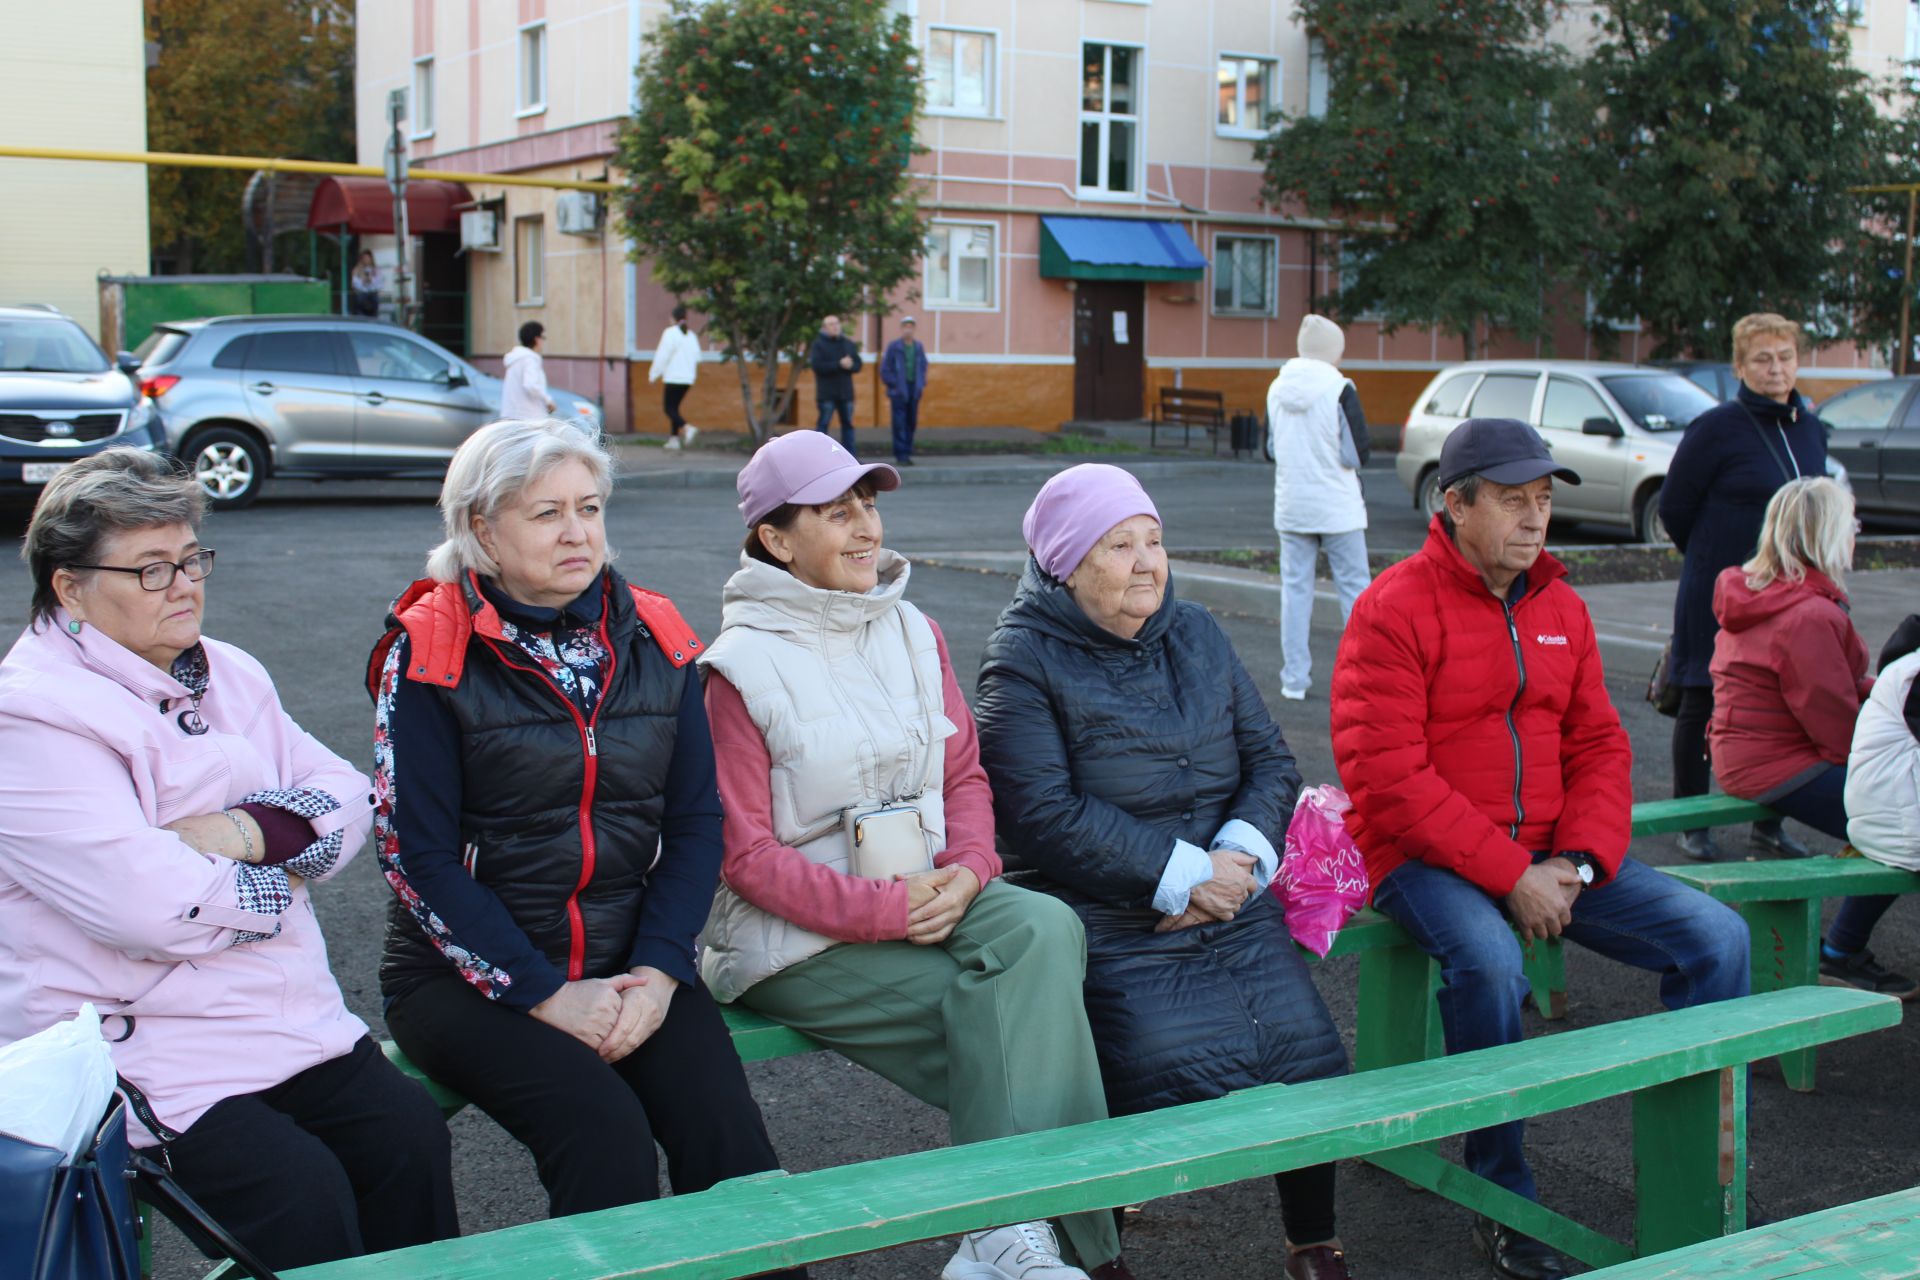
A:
(161, 822)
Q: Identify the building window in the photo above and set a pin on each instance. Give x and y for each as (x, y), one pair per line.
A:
(1354, 255)
(421, 108)
(1109, 118)
(533, 70)
(530, 260)
(908, 9)
(1317, 79)
(959, 67)
(1244, 275)
(1247, 95)
(960, 265)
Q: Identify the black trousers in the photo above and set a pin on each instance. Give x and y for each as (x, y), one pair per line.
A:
(670, 401)
(346, 1158)
(1692, 770)
(592, 1126)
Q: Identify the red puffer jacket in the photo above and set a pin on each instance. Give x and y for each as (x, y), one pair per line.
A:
(1470, 732)
(1789, 674)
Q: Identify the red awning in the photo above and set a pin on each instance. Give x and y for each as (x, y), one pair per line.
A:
(365, 205)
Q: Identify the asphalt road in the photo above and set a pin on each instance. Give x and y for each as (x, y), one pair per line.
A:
(304, 580)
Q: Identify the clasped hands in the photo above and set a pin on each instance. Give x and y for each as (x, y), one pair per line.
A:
(1541, 903)
(1220, 898)
(612, 1016)
(936, 900)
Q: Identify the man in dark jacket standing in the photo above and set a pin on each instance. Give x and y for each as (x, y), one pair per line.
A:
(835, 359)
(1491, 785)
(903, 371)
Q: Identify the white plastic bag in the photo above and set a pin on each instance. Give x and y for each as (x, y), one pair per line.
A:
(55, 1084)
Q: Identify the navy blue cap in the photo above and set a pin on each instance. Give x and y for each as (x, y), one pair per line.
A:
(1503, 450)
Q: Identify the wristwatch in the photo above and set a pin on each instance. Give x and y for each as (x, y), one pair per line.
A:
(1583, 863)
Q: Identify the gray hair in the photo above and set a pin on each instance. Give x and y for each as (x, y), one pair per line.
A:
(89, 501)
(491, 469)
(1468, 487)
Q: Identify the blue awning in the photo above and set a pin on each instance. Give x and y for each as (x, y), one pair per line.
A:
(1118, 249)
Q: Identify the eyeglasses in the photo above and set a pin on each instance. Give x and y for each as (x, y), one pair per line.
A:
(158, 576)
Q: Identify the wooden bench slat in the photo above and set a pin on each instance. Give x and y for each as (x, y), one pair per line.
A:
(1821, 876)
(1876, 1239)
(1688, 813)
(748, 1226)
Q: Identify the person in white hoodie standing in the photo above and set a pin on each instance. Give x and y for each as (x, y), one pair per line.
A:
(1319, 445)
(523, 395)
(676, 362)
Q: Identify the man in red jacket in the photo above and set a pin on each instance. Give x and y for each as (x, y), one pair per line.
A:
(1490, 780)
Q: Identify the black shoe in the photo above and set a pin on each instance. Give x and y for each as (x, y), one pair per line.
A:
(1772, 838)
(1516, 1256)
(1699, 845)
(903, 462)
(1862, 971)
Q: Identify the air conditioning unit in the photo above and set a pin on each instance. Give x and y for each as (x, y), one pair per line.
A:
(578, 213)
(480, 230)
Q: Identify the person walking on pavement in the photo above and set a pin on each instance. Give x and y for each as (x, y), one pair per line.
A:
(1319, 445)
(523, 393)
(835, 359)
(1729, 463)
(676, 362)
(903, 371)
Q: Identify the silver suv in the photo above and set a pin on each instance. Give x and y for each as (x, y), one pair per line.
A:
(1615, 424)
(242, 398)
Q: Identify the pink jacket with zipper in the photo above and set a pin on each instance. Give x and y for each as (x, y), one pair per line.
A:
(99, 903)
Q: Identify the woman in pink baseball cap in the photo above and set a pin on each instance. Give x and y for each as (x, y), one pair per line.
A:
(860, 898)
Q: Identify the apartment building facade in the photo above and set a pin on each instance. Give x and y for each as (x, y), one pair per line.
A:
(1095, 224)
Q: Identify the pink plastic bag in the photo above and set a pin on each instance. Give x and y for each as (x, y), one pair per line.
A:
(1323, 878)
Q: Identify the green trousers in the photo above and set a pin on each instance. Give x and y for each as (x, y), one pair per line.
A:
(989, 1025)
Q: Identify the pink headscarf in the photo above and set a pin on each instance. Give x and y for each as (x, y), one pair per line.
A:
(1076, 509)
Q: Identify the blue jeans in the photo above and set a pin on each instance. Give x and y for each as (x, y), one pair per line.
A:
(1299, 557)
(1641, 917)
(845, 409)
(1821, 804)
(906, 420)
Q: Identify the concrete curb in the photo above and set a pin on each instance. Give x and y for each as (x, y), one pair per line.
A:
(1033, 471)
(1219, 587)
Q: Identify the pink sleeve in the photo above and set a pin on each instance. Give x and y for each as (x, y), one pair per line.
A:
(968, 796)
(778, 878)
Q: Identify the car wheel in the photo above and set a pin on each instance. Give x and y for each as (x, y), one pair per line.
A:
(1647, 525)
(1430, 497)
(229, 466)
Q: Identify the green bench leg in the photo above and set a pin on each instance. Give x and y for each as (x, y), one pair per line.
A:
(1786, 953)
(1690, 1160)
(1397, 1022)
(1545, 960)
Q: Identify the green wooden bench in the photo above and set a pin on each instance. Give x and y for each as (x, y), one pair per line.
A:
(1876, 1239)
(1685, 1071)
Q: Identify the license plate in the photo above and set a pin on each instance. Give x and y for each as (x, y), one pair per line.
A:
(39, 472)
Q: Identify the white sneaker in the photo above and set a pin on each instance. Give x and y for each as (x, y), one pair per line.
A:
(1293, 695)
(689, 433)
(673, 442)
(1023, 1251)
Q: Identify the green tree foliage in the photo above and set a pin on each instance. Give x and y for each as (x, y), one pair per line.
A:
(239, 77)
(1873, 262)
(766, 172)
(1443, 134)
(1729, 132)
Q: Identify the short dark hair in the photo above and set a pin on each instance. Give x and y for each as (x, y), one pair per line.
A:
(783, 516)
(530, 332)
(680, 311)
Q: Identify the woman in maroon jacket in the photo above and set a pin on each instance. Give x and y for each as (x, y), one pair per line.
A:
(1789, 675)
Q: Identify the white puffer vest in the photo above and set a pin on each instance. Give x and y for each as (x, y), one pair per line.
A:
(1312, 492)
(1883, 772)
(829, 679)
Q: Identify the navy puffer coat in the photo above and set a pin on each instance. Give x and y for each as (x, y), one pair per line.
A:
(1105, 751)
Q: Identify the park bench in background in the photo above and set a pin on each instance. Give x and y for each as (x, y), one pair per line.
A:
(1876, 1239)
(1685, 1071)
(1188, 408)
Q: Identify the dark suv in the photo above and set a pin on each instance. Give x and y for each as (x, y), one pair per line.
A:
(245, 397)
(61, 398)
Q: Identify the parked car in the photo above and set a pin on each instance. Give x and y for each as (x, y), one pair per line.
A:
(61, 398)
(1616, 424)
(242, 398)
(1874, 431)
(1715, 377)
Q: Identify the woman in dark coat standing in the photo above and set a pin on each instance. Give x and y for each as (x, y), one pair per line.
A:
(1727, 467)
(1137, 776)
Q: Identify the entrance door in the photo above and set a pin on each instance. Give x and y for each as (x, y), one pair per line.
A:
(1108, 368)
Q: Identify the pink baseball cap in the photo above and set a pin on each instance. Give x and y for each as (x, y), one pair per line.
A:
(806, 468)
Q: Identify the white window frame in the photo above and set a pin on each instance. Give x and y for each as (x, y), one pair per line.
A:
(990, 111)
(951, 302)
(1271, 306)
(523, 105)
(1106, 119)
(530, 268)
(1597, 321)
(1319, 79)
(420, 105)
(1270, 105)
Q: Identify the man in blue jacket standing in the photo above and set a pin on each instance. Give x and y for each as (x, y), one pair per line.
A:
(903, 370)
(835, 359)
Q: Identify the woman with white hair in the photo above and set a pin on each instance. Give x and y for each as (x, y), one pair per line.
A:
(1789, 675)
(549, 821)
